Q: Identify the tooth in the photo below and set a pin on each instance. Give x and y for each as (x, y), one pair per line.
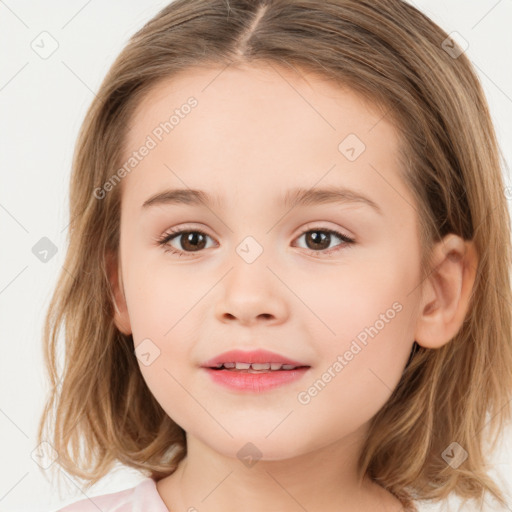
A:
(260, 366)
(257, 367)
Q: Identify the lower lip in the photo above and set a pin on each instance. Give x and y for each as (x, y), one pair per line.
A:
(255, 382)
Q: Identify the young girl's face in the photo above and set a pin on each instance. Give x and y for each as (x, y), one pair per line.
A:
(266, 274)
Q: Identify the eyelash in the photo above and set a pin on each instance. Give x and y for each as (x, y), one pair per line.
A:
(170, 235)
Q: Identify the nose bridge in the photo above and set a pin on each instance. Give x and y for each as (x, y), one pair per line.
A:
(252, 233)
(250, 289)
(249, 262)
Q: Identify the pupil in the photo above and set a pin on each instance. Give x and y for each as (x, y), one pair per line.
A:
(192, 238)
(319, 238)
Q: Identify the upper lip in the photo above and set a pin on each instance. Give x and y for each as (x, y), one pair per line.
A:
(251, 356)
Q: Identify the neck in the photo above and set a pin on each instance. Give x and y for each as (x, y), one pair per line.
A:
(323, 479)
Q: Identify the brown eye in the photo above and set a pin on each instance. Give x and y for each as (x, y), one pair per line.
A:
(187, 241)
(319, 240)
(192, 240)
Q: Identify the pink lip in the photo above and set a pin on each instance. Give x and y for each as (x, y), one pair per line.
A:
(251, 356)
(255, 382)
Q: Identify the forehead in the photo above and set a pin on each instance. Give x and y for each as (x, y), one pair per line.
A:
(257, 95)
(251, 126)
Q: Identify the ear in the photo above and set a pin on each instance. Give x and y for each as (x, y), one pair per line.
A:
(121, 318)
(446, 292)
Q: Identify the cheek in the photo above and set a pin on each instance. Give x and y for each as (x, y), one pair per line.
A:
(360, 368)
(366, 318)
(163, 315)
(160, 299)
(349, 299)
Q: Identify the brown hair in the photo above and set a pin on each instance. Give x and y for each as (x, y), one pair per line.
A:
(394, 56)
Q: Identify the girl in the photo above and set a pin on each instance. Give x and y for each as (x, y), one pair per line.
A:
(287, 282)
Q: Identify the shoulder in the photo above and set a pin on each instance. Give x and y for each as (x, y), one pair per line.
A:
(127, 500)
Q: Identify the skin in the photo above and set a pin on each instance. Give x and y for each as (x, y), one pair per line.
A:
(257, 132)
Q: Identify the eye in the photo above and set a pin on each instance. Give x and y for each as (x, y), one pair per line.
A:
(192, 241)
(318, 240)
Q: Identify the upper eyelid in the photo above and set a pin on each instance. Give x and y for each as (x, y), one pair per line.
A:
(306, 228)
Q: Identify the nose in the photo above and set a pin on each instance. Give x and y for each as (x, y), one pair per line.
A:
(251, 294)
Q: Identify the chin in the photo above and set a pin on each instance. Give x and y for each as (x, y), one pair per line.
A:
(250, 448)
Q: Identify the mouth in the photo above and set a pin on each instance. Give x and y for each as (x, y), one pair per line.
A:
(256, 367)
(255, 377)
(254, 371)
(252, 361)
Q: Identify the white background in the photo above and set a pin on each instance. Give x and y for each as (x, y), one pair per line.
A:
(43, 102)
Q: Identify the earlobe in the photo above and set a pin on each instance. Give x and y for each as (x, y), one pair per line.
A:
(121, 318)
(447, 291)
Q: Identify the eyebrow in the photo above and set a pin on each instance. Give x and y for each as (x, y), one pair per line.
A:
(292, 198)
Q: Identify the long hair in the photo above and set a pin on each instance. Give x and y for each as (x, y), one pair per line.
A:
(100, 411)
